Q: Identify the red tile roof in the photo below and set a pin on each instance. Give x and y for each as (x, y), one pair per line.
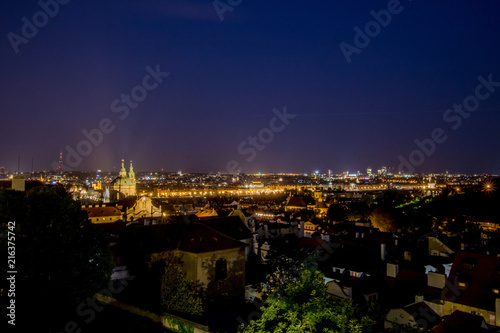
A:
(102, 211)
(300, 201)
(461, 322)
(481, 273)
(192, 237)
(231, 226)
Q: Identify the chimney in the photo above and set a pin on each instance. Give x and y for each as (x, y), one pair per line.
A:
(436, 280)
(392, 269)
(266, 231)
(383, 252)
(497, 312)
(301, 228)
(18, 183)
(347, 291)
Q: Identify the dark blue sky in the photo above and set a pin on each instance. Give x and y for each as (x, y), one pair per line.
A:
(226, 77)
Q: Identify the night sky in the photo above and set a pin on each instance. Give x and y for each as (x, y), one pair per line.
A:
(226, 77)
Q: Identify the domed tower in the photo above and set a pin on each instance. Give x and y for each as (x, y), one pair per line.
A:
(124, 185)
(131, 173)
(123, 172)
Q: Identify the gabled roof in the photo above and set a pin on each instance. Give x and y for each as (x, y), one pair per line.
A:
(197, 238)
(402, 289)
(421, 310)
(300, 201)
(189, 237)
(102, 211)
(461, 322)
(481, 273)
(231, 226)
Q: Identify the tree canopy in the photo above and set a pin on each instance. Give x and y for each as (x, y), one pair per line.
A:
(283, 266)
(336, 212)
(59, 250)
(178, 292)
(383, 219)
(305, 306)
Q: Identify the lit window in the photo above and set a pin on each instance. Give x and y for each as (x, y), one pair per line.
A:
(356, 274)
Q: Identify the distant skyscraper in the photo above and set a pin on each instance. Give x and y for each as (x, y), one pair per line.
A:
(60, 163)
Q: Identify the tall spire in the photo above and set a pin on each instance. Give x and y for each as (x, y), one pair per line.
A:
(123, 172)
(131, 173)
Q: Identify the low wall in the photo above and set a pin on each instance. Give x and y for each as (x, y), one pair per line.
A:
(170, 321)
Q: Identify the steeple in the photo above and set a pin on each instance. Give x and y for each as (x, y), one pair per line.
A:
(123, 172)
(131, 173)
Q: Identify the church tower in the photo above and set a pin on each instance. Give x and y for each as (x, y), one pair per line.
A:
(124, 185)
(123, 172)
(131, 173)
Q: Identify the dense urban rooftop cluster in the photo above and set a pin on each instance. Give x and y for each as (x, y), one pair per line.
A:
(422, 247)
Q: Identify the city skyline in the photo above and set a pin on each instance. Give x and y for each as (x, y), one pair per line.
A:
(367, 171)
(202, 87)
